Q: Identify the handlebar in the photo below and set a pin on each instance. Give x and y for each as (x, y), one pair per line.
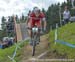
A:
(32, 27)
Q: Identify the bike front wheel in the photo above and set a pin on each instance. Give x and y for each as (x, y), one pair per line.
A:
(33, 48)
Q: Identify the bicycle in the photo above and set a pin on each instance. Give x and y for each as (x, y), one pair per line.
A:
(35, 37)
(35, 31)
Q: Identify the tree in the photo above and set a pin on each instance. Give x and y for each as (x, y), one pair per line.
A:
(22, 17)
(10, 27)
(43, 10)
(74, 2)
(3, 26)
(17, 19)
(3, 23)
(69, 4)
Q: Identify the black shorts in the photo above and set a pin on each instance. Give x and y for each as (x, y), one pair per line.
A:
(66, 20)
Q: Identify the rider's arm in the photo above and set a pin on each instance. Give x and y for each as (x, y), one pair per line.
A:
(27, 19)
(44, 20)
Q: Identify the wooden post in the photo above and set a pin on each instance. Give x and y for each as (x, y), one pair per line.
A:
(18, 30)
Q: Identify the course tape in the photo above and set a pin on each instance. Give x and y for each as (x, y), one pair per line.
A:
(65, 43)
(17, 47)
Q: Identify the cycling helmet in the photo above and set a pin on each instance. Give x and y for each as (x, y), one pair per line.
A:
(36, 9)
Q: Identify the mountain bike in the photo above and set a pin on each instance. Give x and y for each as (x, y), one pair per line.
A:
(35, 38)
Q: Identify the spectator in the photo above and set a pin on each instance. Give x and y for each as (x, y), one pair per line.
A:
(66, 15)
(10, 41)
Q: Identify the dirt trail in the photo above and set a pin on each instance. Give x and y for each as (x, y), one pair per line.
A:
(41, 48)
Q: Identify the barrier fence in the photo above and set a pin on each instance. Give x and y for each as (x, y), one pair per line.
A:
(16, 49)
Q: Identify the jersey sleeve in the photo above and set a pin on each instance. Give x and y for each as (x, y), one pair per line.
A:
(32, 15)
(42, 15)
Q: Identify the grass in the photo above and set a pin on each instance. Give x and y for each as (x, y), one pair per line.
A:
(4, 53)
(67, 34)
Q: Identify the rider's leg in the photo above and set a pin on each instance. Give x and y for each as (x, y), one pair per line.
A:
(29, 31)
(39, 25)
(30, 25)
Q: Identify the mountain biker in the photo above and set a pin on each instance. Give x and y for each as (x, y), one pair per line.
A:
(36, 17)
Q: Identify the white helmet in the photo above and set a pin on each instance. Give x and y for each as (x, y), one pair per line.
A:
(36, 9)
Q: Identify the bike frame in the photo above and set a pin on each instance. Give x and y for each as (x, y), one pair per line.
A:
(35, 33)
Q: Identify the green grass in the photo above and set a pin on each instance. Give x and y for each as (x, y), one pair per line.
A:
(4, 53)
(67, 34)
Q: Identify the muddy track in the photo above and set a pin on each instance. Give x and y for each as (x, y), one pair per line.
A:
(41, 48)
